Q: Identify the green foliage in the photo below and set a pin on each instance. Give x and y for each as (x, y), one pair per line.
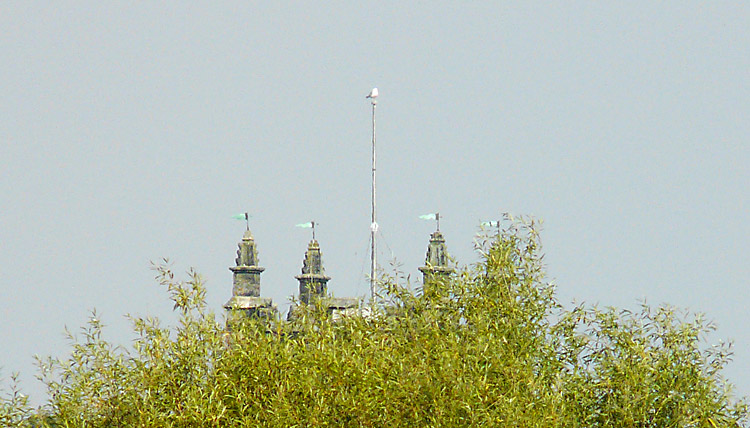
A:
(647, 369)
(489, 346)
(14, 406)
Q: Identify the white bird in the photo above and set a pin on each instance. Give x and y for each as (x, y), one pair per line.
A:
(373, 93)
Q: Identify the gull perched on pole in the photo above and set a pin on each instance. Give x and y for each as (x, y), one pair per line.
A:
(373, 94)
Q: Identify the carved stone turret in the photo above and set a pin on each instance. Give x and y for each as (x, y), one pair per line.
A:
(247, 272)
(246, 287)
(313, 285)
(312, 281)
(436, 266)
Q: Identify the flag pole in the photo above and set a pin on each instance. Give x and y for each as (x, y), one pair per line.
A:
(374, 225)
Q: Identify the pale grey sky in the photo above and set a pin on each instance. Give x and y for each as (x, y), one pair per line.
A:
(133, 131)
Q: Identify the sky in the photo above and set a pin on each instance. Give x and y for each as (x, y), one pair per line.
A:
(133, 131)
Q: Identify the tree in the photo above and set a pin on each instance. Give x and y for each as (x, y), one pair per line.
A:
(490, 345)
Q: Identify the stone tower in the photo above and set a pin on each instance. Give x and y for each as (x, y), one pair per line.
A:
(246, 285)
(312, 280)
(436, 268)
(313, 285)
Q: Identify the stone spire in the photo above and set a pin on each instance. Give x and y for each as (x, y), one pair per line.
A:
(247, 272)
(312, 280)
(313, 287)
(246, 284)
(436, 263)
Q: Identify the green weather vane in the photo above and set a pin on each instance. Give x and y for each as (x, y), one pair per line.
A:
(308, 225)
(432, 216)
(495, 223)
(243, 216)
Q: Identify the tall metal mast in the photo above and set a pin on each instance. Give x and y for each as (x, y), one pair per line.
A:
(374, 225)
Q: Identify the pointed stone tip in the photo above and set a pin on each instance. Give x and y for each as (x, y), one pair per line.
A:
(248, 235)
(437, 236)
